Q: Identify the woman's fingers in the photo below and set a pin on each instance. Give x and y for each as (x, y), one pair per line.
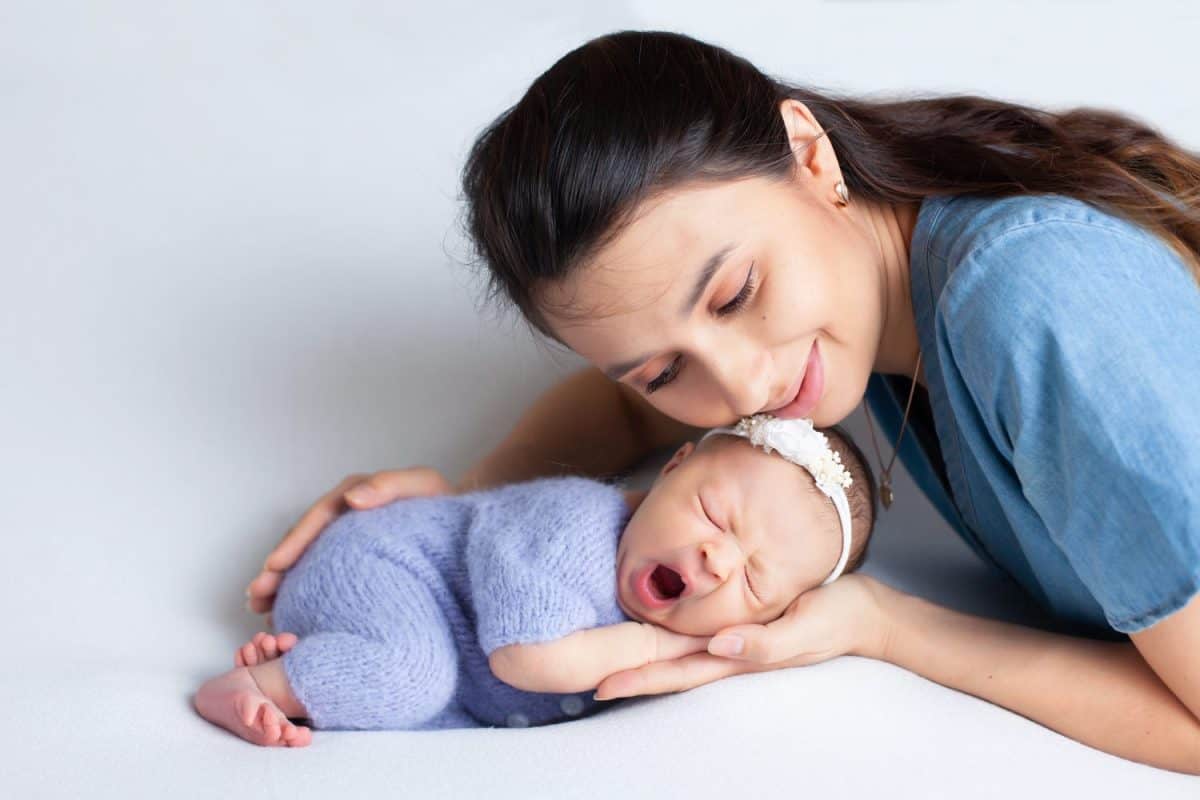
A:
(358, 491)
(388, 485)
(261, 592)
(266, 583)
(780, 646)
(297, 540)
(820, 624)
(677, 675)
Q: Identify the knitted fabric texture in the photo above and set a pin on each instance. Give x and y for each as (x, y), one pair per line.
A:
(397, 608)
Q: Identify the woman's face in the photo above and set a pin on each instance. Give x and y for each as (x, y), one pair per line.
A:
(727, 535)
(722, 300)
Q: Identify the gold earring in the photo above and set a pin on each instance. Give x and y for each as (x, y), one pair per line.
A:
(843, 194)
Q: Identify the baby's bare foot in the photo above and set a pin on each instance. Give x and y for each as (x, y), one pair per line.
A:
(263, 647)
(236, 703)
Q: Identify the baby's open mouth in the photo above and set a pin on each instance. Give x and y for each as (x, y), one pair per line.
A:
(666, 583)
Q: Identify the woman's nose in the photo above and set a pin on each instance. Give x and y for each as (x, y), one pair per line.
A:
(744, 380)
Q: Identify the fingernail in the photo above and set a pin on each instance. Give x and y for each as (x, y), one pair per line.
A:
(726, 646)
(359, 493)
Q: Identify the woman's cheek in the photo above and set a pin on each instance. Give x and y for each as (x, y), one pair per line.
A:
(695, 405)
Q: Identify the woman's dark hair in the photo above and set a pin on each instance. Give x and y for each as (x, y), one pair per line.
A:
(632, 114)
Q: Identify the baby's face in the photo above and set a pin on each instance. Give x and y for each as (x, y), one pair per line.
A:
(727, 535)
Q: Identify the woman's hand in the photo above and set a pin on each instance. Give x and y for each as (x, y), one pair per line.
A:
(354, 492)
(842, 618)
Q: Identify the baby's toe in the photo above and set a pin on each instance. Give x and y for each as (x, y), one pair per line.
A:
(274, 646)
(269, 647)
(248, 709)
(268, 725)
(295, 735)
(249, 654)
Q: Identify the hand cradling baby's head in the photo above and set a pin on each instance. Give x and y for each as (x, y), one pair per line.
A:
(729, 534)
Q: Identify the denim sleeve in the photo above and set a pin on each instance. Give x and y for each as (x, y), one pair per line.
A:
(1080, 344)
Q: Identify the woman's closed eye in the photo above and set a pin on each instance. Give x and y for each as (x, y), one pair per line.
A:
(739, 300)
(732, 307)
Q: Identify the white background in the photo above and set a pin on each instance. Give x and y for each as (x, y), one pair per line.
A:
(233, 273)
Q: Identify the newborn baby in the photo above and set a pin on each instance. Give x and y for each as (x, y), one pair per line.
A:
(397, 617)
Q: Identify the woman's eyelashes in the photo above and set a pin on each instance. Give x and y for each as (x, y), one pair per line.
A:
(666, 376)
(739, 300)
(732, 307)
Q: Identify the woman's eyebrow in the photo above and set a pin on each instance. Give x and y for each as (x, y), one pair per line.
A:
(709, 269)
(617, 370)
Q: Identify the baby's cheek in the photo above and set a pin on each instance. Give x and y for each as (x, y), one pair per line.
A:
(625, 605)
(706, 620)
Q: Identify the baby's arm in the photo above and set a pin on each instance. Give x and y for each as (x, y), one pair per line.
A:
(579, 661)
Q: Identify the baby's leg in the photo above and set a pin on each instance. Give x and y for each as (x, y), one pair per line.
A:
(350, 681)
(375, 650)
(254, 703)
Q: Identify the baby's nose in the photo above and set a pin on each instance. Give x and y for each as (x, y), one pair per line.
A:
(720, 558)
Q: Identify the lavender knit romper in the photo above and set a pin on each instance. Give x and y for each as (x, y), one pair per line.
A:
(397, 608)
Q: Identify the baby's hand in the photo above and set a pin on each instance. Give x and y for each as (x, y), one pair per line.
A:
(664, 644)
(582, 659)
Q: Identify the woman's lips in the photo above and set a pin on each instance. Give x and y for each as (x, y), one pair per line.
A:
(808, 394)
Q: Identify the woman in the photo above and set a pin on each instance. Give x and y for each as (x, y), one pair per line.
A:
(1018, 288)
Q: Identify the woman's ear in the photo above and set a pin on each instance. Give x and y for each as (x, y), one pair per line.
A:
(677, 459)
(810, 147)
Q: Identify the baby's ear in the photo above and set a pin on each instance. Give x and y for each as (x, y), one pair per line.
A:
(677, 459)
(634, 498)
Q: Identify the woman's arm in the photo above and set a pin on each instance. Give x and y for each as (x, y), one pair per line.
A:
(579, 661)
(587, 425)
(1103, 694)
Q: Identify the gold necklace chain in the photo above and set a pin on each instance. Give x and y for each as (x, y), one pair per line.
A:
(885, 476)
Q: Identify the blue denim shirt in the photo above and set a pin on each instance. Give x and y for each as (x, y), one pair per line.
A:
(1062, 351)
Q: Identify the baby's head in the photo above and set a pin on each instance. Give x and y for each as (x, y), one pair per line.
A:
(730, 534)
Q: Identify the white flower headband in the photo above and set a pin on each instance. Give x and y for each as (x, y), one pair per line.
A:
(803, 445)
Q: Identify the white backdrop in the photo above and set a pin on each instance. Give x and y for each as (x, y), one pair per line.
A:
(232, 274)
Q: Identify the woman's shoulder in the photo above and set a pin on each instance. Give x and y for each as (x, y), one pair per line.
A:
(958, 228)
(1046, 255)
(1026, 228)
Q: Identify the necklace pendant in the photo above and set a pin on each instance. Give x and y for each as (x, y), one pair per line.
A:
(885, 494)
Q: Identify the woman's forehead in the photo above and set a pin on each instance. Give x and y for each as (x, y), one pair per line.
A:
(668, 228)
(660, 249)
